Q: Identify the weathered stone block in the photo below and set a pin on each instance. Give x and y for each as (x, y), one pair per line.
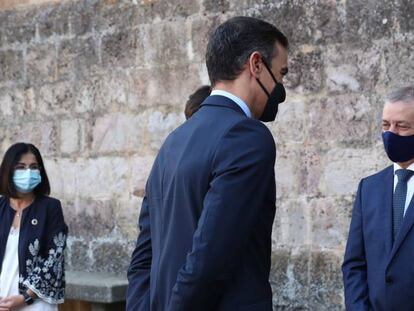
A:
(66, 58)
(140, 170)
(343, 169)
(216, 6)
(41, 64)
(82, 17)
(112, 257)
(100, 94)
(318, 22)
(119, 49)
(291, 122)
(11, 103)
(201, 29)
(404, 11)
(5, 138)
(102, 288)
(351, 71)
(325, 281)
(11, 66)
(66, 187)
(291, 228)
(87, 59)
(170, 10)
(69, 136)
(163, 45)
(54, 20)
(289, 164)
(90, 218)
(55, 99)
(19, 27)
(289, 279)
(399, 62)
(126, 216)
(116, 15)
(43, 135)
(80, 259)
(368, 20)
(330, 218)
(103, 178)
(311, 169)
(164, 86)
(160, 125)
(307, 70)
(112, 133)
(349, 123)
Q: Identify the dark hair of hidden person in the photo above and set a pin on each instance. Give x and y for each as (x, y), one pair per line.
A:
(196, 99)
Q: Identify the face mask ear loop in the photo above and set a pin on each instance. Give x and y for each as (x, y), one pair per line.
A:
(263, 88)
(270, 72)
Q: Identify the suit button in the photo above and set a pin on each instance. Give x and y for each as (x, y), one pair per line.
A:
(388, 279)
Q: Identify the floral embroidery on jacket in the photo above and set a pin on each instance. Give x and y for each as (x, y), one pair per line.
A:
(45, 276)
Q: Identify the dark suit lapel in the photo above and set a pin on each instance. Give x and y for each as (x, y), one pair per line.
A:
(406, 226)
(386, 203)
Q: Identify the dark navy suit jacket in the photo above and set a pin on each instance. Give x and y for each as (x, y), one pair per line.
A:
(206, 220)
(379, 274)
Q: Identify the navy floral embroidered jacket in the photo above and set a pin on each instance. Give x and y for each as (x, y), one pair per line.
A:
(42, 242)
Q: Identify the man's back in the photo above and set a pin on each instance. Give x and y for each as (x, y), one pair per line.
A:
(232, 269)
(206, 220)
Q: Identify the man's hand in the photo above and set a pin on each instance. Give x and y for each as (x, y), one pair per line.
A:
(7, 303)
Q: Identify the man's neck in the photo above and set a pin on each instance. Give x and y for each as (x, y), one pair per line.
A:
(405, 164)
(236, 89)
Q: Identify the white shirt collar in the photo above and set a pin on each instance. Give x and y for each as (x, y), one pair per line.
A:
(397, 167)
(236, 99)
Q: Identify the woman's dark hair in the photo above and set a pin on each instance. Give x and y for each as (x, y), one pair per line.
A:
(10, 160)
(196, 99)
(232, 43)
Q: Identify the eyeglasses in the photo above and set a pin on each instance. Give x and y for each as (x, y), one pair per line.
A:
(27, 167)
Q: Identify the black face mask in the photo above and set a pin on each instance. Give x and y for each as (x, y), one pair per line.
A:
(277, 96)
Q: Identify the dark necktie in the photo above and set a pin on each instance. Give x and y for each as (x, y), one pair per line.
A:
(399, 198)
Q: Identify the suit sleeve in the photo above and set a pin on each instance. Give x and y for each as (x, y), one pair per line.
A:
(354, 267)
(243, 169)
(138, 292)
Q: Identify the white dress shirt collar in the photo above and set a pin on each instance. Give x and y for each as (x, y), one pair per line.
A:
(236, 99)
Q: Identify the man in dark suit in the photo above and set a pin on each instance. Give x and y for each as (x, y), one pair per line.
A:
(378, 268)
(206, 219)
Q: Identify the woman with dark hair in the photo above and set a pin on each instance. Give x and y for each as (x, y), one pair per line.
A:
(32, 234)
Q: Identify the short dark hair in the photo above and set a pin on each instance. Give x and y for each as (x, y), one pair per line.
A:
(232, 43)
(10, 160)
(196, 99)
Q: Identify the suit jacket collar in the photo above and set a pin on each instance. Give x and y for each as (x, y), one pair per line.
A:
(408, 222)
(385, 191)
(222, 101)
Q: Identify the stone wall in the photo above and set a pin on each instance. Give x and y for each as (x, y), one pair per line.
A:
(97, 86)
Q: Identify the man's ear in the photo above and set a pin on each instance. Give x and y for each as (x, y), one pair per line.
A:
(255, 64)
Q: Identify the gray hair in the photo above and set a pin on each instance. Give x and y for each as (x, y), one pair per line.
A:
(404, 94)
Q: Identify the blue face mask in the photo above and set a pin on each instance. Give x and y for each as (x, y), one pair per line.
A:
(26, 180)
(399, 148)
